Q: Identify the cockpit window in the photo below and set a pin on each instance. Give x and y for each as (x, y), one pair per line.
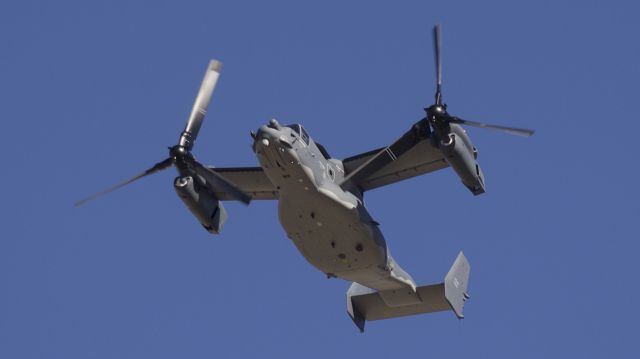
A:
(304, 135)
(295, 128)
(300, 132)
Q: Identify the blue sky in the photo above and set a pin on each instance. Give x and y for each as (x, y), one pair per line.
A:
(94, 92)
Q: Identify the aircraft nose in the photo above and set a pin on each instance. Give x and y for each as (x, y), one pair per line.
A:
(265, 137)
(273, 123)
(273, 137)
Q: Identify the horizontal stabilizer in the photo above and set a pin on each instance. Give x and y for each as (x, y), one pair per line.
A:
(367, 304)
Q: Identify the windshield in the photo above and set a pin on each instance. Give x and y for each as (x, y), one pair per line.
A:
(300, 132)
(295, 128)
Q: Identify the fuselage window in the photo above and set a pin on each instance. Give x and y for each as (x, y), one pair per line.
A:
(323, 151)
(304, 136)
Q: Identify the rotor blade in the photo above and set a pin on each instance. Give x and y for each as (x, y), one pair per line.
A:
(201, 104)
(156, 168)
(510, 130)
(386, 155)
(216, 183)
(437, 57)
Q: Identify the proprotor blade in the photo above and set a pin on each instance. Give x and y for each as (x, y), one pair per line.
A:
(201, 104)
(156, 168)
(510, 130)
(438, 63)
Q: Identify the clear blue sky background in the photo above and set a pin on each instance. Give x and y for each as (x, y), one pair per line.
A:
(93, 92)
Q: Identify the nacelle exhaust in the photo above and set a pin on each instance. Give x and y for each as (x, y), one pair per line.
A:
(461, 156)
(205, 207)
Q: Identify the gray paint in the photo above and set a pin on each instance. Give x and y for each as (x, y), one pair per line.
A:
(366, 304)
(321, 209)
(207, 209)
(320, 200)
(330, 227)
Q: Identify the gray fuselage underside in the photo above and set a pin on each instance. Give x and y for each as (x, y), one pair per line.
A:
(330, 227)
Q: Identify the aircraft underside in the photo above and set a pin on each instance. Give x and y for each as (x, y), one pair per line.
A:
(335, 240)
(320, 198)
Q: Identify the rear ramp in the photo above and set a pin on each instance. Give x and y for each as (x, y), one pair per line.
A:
(368, 304)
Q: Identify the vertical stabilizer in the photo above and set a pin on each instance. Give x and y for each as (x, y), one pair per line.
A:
(455, 284)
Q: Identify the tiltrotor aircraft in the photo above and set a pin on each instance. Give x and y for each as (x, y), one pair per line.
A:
(321, 204)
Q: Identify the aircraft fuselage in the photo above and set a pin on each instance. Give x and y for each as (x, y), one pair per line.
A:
(330, 227)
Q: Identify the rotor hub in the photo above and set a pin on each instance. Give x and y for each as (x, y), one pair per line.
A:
(178, 151)
(437, 115)
(436, 110)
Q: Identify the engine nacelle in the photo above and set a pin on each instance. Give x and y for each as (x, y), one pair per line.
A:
(461, 156)
(208, 210)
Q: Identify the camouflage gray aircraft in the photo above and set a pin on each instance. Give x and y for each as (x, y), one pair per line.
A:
(320, 198)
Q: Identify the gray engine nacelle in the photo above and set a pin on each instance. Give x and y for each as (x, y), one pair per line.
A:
(208, 210)
(461, 156)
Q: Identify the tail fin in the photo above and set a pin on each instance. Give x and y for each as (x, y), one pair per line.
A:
(455, 284)
(367, 304)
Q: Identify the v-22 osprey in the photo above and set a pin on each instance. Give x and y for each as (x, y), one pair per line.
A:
(320, 198)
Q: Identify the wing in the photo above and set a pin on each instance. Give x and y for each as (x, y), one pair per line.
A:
(411, 155)
(251, 180)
